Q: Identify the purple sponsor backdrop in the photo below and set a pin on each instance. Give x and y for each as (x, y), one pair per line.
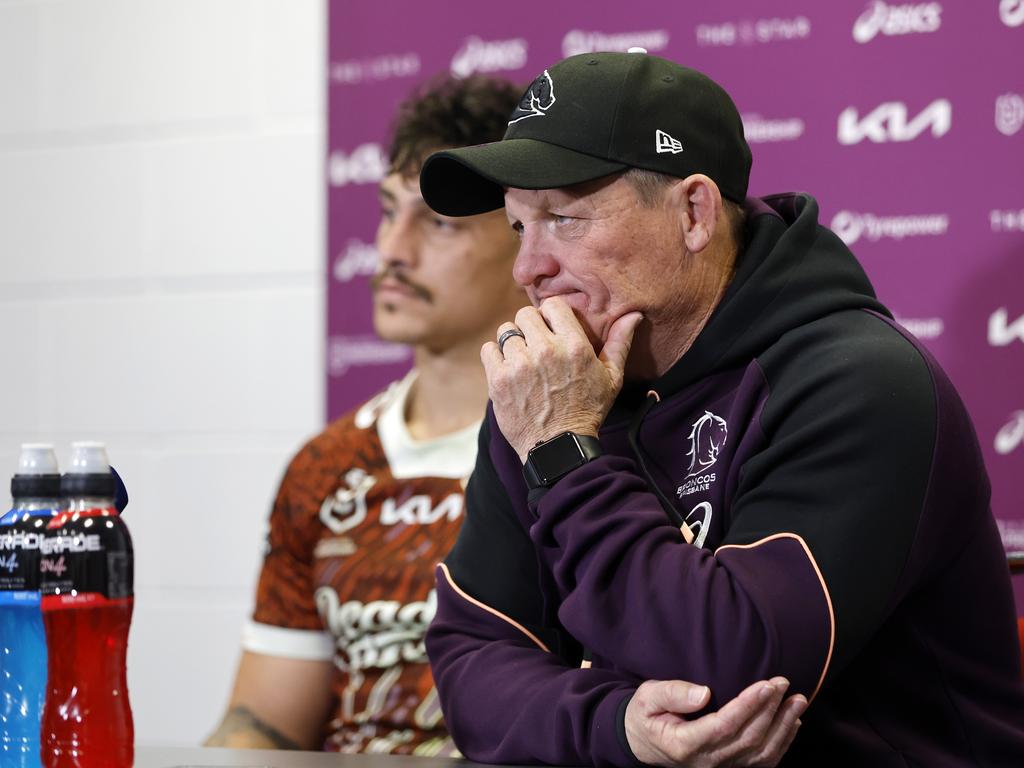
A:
(906, 121)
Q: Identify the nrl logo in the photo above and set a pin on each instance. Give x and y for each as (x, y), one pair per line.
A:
(346, 507)
(537, 100)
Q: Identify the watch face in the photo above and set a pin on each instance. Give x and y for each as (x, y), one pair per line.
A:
(556, 457)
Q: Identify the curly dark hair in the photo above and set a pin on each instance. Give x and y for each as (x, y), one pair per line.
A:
(447, 112)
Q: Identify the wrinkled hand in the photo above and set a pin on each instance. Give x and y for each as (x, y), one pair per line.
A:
(551, 381)
(754, 729)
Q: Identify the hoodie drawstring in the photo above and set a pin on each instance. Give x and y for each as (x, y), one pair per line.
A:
(634, 432)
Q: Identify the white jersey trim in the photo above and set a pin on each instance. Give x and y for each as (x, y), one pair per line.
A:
(303, 644)
(451, 456)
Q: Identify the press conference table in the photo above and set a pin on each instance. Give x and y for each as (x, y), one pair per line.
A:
(210, 757)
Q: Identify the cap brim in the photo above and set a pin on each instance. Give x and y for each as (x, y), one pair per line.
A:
(471, 180)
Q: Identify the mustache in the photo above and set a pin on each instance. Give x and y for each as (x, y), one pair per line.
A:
(400, 277)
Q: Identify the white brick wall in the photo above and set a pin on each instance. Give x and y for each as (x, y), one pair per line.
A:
(161, 289)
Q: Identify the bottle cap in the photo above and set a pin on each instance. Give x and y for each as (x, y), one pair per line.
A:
(89, 458)
(38, 474)
(89, 474)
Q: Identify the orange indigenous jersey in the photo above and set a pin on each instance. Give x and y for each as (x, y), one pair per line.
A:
(361, 518)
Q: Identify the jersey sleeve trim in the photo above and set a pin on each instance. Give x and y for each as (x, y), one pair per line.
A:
(301, 644)
(492, 611)
(824, 589)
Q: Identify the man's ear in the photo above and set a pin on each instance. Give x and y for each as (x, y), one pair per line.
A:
(699, 203)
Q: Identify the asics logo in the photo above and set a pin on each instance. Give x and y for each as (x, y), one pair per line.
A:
(1011, 435)
(366, 164)
(896, 20)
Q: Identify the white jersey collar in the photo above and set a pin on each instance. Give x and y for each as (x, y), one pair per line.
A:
(452, 455)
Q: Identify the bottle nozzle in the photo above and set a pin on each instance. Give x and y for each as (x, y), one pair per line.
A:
(89, 458)
(37, 459)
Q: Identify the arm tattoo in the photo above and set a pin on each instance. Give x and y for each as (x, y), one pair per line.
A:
(240, 721)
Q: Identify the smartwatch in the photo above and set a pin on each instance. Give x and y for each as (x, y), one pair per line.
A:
(550, 460)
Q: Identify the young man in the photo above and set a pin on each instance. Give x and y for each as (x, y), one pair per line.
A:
(727, 458)
(333, 657)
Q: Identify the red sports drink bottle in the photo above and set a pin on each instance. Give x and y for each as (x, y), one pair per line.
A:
(86, 583)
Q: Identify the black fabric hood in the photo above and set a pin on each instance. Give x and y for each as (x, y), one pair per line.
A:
(791, 272)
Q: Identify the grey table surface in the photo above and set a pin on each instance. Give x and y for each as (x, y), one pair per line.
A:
(212, 757)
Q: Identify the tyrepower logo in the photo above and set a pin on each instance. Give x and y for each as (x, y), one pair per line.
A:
(1002, 332)
(1011, 12)
(359, 259)
(890, 122)
(880, 18)
(366, 164)
(478, 55)
(760, 130)
(851, 227)
(1009, 113)
(578, 41)
(753, 32)
(345, 352)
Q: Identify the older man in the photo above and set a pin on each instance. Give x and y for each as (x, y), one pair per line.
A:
(334, 657)
(711, 456)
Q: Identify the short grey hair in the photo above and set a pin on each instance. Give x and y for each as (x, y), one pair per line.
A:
(650, 187)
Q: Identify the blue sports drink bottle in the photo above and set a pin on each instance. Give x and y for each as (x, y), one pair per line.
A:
(35, 490)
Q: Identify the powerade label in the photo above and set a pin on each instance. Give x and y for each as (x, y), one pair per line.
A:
(20, 599)
(21, 539)
(87, 552)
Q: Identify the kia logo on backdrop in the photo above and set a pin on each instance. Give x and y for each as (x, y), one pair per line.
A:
(1009, 113)
(359, 259)
(366, 164)
(896, 20)
(478, 55)
(1001, 332)
(578, 41)
(1011, 435)
(888, 122)
(851, 227)
(1011, 12)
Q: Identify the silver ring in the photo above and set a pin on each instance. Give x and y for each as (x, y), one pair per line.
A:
(508, 335)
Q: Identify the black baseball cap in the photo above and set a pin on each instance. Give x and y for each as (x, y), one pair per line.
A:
(592, 115)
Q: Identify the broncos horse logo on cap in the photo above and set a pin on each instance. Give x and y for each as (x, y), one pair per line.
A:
(707, 437)
(537, 100)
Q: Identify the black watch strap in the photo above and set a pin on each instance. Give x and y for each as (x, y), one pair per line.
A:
(552, 459)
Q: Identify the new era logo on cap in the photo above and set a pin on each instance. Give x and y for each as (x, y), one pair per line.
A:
(665, 143)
